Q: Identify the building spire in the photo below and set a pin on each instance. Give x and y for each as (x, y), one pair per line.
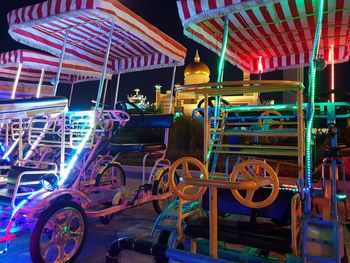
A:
(196, 57)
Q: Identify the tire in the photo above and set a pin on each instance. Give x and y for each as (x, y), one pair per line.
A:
(43, 232)
(105, 179)
(157, 188)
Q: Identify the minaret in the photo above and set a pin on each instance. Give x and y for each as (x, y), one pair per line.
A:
(158, 90)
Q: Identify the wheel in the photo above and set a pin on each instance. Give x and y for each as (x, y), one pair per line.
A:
(271, 124)
(161, 186)
(186, 191)
(262, 175)
(112, 175)
(211, 101)
(59, 234)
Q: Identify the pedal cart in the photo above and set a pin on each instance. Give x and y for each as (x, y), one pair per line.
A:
(24, 67)
(270, 218)
(84, 180)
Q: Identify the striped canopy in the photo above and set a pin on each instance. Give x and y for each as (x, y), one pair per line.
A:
(33, 62)
(136, 45)
(268, 35)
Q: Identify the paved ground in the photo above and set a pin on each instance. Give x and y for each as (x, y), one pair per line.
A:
(135, 222)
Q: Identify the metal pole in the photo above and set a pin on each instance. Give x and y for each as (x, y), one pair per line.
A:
(57, 80)
(14, 88)
(223, 52)
(40, 82)
(104, 94)
(172, 90)
(310, 108)
(71, 94)
(166, 134)
(116, 91)
(98, 99)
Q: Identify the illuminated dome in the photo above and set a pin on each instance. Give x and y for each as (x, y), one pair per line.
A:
(197, 67)
(196, 72)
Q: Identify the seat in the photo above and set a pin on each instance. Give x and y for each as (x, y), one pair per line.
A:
(142, 147)
(266, 236)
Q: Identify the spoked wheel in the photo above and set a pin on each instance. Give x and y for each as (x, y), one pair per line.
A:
(263, 175)
(60, 233)
(187, 191)
(112, 175)
(161, 186)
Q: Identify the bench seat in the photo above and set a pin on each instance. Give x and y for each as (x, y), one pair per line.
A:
(266, 236)
(136, 147)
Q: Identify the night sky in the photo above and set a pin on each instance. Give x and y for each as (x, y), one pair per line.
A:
(163, 15)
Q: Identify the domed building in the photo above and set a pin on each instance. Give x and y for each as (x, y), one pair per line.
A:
(196, 72)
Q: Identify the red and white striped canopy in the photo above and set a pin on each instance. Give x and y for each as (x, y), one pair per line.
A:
(278, 33)
(33, 62)
(136, 45)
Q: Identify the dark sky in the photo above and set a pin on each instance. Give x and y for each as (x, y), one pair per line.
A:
(163, 15)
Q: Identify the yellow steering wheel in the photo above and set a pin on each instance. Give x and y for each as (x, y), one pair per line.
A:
(186, 191)
(277, 125)
(259, 172)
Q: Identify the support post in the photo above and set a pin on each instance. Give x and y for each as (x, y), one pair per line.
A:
(103, 76)
(14, 88)
(71, 94)
(166, 134)
(104, 94)
(40, 82)
(57, 80)
(116, 91)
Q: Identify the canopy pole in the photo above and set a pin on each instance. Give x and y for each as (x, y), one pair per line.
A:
(310, 109)
(100, 87)
(40, 82)
(71, 94)
(104, 94)
(172, 90)
(166, 133)
(220, 78)
(116, 91)
(14, 88)
(223, 52)
(57, 80)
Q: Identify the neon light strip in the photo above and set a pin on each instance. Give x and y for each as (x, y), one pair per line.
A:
(310, 110)
(260, 67)
(72, 161)
(16, 81)
(331, 51)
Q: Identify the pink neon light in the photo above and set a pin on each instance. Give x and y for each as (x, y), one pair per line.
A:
(331, 56)
(260, 66)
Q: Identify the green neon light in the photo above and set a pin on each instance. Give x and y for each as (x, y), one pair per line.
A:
(310, 115)
(341, 196)
(259, 107)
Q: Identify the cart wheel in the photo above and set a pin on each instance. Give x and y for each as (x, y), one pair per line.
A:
(262, 174)
(161, 186)
(112, 175)
(59, 234)
(187, 192)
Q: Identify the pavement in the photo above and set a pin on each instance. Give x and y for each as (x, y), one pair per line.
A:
(136, 222)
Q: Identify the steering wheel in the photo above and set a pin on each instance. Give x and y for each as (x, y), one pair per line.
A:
(122, 105)
(267, 124)
(211, 107)
(182, 190)
(262, 174)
